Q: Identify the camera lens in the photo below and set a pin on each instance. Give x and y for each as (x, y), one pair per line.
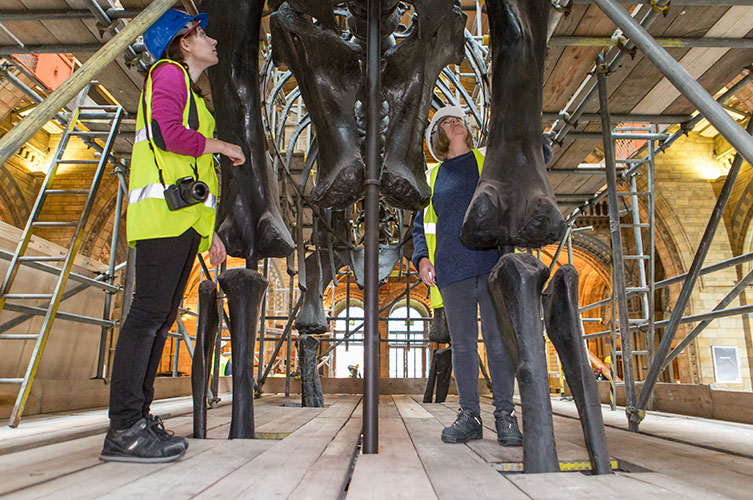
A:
(199, 191)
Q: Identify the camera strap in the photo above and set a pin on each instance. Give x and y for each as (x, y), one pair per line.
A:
(150, 139)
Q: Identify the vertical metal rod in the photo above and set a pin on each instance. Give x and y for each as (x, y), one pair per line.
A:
(176, 350)
(289, 344)
(347, 307)
(651, 256)
(223, 321)
(695, 269)
(371, 292)
(263, 322)
(613, 357)
(101, 369)
(638, 238)
(681, 79)
(618, 264)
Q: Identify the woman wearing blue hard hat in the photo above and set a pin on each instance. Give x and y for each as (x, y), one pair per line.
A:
(171, 215)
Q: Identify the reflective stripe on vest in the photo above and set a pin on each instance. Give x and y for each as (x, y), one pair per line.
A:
(148, 215)
(158, 191)
(430, 223)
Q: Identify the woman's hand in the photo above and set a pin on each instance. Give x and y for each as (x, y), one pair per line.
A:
(217, 251)
(232, 151)
(427, 272)
(235, 153)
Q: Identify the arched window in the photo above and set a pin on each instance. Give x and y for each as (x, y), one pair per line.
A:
(407, 334)
(349, 354)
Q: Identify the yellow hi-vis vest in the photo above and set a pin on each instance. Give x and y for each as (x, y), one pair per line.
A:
(430, 223)
(148, 216)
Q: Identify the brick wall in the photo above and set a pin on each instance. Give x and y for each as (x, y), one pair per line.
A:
(685, 200)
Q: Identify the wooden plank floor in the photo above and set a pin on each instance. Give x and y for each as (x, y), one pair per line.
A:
(316, 449)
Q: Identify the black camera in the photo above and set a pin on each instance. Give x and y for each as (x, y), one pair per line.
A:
(185, 192)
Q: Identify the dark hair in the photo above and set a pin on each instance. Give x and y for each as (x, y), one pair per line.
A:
(440, 143)
(174, 53)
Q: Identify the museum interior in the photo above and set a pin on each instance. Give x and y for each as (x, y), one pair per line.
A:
(646, 110)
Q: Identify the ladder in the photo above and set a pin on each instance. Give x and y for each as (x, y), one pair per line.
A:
(641, 261)
(82, 113)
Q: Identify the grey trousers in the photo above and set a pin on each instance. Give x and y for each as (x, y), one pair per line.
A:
(462, 300)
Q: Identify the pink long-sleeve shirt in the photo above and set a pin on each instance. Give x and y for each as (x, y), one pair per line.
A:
(169, 97)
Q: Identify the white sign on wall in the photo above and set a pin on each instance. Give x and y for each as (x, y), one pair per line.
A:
(726, 365)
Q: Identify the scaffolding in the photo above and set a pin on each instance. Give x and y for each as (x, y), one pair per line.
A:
(280, 107)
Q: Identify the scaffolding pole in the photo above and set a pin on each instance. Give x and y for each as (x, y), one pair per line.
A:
(618, 265)
(25, 130)
(680, 78)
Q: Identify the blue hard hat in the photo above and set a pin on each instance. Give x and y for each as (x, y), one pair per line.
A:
(172, 23)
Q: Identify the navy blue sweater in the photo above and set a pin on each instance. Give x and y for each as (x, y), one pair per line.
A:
(456, 181)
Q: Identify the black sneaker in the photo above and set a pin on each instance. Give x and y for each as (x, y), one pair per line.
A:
(158, 426)
(139, 444)
(508, 433)
(467, 427)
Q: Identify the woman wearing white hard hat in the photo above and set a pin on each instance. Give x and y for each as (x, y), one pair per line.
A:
(460, 273)
(171, 215)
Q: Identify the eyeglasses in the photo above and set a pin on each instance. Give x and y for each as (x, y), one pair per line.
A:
(190, 30)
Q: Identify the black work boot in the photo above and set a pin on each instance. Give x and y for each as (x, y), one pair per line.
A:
(508, 433)
(158, 426)
(139, 444)
(467, 427)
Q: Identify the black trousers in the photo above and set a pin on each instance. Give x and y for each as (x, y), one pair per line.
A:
(163, 266)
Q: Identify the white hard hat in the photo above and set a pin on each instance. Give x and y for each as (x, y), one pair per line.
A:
(455, 111)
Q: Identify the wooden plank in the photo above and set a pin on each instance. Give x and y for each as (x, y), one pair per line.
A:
(395, 472)
(454, 470)
(737, 22)
(730, 436)
(717, 77)
(387, 408)
(326, 478)
(45, 463)
(105, 478)
(468, 477)
(575, 62)
(408, 408)
(189, 477)
(277, 472)
(677, 487)
(732, 475)
(556, 486)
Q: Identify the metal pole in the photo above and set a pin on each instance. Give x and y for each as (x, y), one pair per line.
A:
(288, 345)
(9, 15)
(675, 42)
(588, 84)
(681, 79)
(618, 264)
(688, 126)
(565, 238)
(25, 130)
(732, 295)
(371, 243)
(625, 117)
(700, 3)
(695, 269)
(263, 319)
(613, 356)
(651, 332)
(735, 261)
(285, 334)
(109, 280)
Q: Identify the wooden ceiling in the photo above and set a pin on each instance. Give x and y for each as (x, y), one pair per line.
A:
(636, 87)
